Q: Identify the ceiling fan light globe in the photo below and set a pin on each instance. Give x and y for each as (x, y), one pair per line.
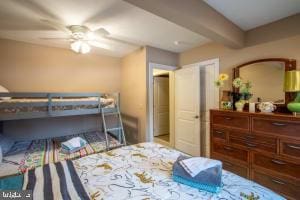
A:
(80, 47)
(85, 48)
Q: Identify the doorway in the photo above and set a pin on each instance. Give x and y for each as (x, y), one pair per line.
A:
(160, 118)
(161, 106)
(192, 94)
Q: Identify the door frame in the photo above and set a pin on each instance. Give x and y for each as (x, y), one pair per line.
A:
(149, 107)
(150, 110)
(213, 97)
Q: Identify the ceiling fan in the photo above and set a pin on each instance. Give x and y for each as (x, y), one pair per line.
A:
(81, 38)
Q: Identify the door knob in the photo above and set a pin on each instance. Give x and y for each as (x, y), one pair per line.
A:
(196, 117)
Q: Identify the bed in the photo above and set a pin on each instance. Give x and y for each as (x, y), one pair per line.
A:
(26, 155)
(141, 171)
(14, 106)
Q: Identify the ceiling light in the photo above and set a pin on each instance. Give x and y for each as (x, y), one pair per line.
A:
(80, 46)
(177, 43)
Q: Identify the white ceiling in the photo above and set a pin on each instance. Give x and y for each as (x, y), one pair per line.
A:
(21, 21)
(248, 14)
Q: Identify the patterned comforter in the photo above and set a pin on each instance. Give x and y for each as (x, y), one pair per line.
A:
(141, 171)
(25, 155)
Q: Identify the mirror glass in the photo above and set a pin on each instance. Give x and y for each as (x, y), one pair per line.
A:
(267, 80)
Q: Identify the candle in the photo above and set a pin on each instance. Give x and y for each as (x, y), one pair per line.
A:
(251, 107)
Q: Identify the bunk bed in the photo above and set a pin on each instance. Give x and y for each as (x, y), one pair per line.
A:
(29, 154)
(15, 106)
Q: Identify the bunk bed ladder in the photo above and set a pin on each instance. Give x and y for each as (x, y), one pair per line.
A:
(120, 129)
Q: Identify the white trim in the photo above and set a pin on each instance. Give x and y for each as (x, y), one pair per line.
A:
(150, 67)
(211, 100)
(149, 136)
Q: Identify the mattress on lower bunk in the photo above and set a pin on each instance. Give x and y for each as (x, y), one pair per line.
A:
(28, 104)
(142, 171)
(26, 155)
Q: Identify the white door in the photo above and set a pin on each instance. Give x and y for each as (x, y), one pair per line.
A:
(161, 106)
(187, 110)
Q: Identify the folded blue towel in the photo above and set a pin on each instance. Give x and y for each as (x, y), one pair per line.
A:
(73, 145)
(200, 186)
(209, 179)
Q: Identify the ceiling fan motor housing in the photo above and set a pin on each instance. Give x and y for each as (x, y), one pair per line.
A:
(79, 32)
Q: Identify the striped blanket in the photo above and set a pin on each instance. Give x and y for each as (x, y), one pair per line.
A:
(43, 181)
(136, 172)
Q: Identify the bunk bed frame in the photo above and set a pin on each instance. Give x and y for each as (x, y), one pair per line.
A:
(47, 105)
(55, 108)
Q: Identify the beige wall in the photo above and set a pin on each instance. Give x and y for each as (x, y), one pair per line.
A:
(134, 83)
(163, 57)
(33, 68)
(230, 58)
(133, 88)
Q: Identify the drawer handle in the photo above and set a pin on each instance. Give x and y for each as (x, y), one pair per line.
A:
(293, 146)
(220, 132)
(228, 118)
(228, 148)
(278, 124)
(278, 182)
(228, 164)
(251, 145)
(250, 136)
(278, 162)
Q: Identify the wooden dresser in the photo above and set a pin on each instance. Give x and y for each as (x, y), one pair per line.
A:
(262, 147)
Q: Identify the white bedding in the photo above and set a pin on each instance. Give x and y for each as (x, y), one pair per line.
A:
(137, 172)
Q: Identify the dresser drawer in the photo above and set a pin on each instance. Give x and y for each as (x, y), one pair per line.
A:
(290, 148)
(280, 185)
(230, 151)
(233, 167)
(277, 165)
(231, 121)
(276, 127)
(219, 133)
(264, 143)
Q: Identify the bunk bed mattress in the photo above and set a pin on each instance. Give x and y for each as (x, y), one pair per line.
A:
(26, 155)
(140, 171)
(31, 107)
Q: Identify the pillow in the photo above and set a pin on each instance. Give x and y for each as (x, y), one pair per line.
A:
(6, 144)
(4, 90)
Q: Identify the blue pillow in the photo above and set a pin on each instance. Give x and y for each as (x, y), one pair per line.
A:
(6, 144)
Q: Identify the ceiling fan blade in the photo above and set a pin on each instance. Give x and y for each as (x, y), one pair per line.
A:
(100, 45)
(57, 26)
(101, 32)
(120, 41)
(65, 39)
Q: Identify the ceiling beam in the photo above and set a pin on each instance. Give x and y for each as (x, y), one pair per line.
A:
(196, 16)
(284, 28)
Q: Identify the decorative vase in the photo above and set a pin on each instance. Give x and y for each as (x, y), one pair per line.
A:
(240, 105)
(226, 105)
(226, 102)
(266, 107)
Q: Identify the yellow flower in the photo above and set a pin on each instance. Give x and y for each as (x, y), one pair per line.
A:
(223, 77)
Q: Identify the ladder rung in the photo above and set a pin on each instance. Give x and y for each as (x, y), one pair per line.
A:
(114, 129)
(116, 146)
(109, 110)
(112, 113)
